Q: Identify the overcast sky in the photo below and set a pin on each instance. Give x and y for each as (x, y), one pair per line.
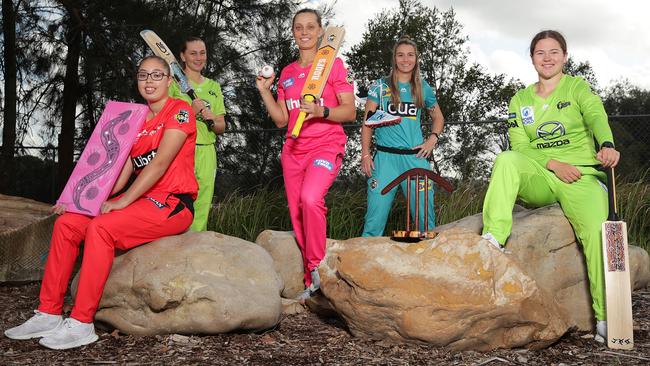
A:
(614, 36)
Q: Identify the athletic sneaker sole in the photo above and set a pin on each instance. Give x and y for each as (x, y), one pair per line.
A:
(23, 337)
(77, 343)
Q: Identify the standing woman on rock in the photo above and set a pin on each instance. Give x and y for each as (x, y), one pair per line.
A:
(210, 111)
(552, 125)
(311, 162)
(400, 146)
(157, 204)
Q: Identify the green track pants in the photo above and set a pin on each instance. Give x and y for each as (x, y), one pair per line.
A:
(205, 169)
(584, 203)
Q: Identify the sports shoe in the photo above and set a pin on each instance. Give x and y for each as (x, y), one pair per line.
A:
(601, 331)
(489, 237)
(71, 334)
(39, 325)
(380, 118)
(311, 289)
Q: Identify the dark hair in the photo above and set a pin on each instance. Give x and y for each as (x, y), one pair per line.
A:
(161, 60)
(307, 10)
(188, 40)
(416, 79)
(548, 34)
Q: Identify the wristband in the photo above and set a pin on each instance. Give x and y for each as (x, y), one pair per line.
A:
(607, 144)
(326, 112)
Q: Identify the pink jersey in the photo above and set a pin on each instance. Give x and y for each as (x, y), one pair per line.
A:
(315, 131)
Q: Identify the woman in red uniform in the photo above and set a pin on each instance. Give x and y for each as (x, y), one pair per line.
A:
(157, 204)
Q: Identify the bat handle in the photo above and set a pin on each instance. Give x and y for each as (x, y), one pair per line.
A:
(301, 118)
(611, 195)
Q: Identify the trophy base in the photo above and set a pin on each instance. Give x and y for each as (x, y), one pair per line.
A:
(413, 236)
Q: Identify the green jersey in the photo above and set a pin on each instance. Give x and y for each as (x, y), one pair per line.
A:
(561, 126)
(210, 92)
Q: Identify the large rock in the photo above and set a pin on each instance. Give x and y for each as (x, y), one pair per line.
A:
(287, 259)
(195, 283)
(543, 243)
(25, 233)
(455, 290)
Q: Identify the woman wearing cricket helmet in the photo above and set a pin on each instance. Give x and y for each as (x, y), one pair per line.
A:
(157, 204)
(552, 125)
(311, 162)
(400, 98)
(210, 112)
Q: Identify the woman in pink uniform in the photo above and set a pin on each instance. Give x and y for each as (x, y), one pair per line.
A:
(311, 162)
(157, 204)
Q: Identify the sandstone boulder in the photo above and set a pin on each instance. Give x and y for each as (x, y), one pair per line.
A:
(25, 233)
(544, 245)
(455, 290)
(195, 283)
(287, 260)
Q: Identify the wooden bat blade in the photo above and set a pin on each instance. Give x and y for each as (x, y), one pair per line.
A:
(320, 69)
(618, 290)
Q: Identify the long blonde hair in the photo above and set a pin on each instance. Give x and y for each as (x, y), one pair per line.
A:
(416, 79)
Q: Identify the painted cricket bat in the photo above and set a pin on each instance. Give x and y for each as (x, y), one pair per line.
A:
(320, 70)
(161, 50)
(617, 275)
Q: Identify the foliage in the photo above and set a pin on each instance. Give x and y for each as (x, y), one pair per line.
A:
(247, 215)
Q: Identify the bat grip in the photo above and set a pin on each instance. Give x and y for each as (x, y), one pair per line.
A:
(301, 118)
(611, 195)
(208, 122)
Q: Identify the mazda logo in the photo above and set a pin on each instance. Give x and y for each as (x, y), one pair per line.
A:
(550, 130)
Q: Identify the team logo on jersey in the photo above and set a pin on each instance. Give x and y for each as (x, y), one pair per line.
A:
(324, 163)
(403, 90)
(142, 160)
(213, 93)
(527, 115)
(561, 105)
(183, 116)
(551, 132)
(404, 110)
(287, 83)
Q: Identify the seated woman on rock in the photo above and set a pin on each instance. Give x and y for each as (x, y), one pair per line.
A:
(552, 125)
(157, 204)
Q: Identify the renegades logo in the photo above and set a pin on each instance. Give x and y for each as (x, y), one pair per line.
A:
(141, 161)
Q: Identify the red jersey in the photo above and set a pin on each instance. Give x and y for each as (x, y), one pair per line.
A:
(179, 177)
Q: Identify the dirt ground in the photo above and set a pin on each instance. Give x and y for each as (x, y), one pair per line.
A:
(303, 339)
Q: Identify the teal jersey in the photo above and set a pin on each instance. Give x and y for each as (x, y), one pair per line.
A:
(210, 92)
(408, 133)
(561, 126)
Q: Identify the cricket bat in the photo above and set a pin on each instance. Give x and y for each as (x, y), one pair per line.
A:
(617, 275)
(320, 71)
(161, 50)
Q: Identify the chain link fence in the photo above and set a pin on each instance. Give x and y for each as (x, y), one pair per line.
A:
(466, 152)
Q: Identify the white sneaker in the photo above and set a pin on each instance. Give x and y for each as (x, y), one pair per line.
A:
(71, 334)
(601, 331)
(39, 325)
(489, 237)
(312, 289)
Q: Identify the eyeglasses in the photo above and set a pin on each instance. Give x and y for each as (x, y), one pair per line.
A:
(155, 75)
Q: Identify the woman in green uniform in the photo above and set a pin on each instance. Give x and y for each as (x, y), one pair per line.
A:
(559, 134)
(210, 111)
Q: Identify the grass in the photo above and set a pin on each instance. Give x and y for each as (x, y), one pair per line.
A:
(245, 216)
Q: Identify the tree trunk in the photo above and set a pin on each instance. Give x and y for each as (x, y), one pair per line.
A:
(9, 114)
(70, 93)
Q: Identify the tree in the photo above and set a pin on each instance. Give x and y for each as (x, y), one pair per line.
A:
(9, 110)
(465, 92)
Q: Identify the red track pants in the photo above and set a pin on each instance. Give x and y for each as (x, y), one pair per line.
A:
(145, 220)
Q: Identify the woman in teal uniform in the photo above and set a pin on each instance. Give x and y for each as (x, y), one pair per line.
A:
(400, 146)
